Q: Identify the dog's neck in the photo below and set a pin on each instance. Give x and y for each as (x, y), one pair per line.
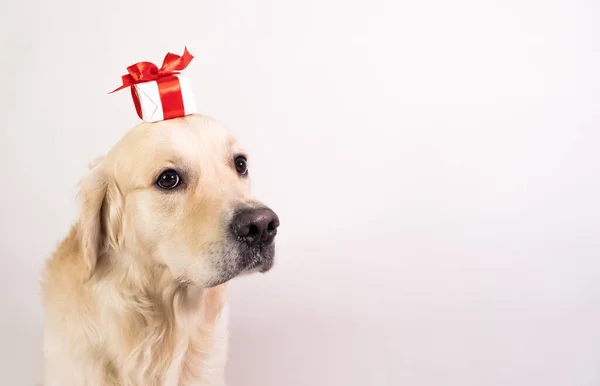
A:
(159, 312)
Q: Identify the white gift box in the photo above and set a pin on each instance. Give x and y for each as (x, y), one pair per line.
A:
(149, 104)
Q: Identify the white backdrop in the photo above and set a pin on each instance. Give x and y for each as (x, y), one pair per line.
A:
(435, 165)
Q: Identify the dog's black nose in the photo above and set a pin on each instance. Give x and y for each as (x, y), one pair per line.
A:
(255, 226)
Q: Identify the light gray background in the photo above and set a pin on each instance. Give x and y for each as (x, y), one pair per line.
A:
(435, 165)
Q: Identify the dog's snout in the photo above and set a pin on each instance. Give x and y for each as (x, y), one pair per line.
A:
(255, 226)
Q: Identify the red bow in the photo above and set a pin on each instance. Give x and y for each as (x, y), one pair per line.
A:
(146, 71)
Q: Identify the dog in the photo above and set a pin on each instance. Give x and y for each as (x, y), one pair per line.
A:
(135, 294)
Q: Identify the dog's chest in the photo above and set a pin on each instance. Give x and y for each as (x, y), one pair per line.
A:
(199, 356)
(173, 376)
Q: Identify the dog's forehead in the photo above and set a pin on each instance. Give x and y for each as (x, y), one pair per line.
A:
(148, 148)
(192, 136)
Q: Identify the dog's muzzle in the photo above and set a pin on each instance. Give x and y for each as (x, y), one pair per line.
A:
(255, 230)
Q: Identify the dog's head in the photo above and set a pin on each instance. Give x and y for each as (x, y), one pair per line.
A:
(177, 193)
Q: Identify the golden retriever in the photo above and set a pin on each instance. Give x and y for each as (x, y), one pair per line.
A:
(135, 295)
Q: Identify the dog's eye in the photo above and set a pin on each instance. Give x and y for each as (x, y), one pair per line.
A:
(240, 165)
(168, 180)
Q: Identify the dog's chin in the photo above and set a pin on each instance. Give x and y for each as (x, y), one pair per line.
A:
(246, 261)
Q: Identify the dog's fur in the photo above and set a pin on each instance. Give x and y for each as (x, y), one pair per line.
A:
(135, 295)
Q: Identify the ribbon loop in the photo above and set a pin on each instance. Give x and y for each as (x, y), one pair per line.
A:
(146, 71)
(174, 62)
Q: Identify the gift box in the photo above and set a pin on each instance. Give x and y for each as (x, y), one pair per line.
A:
(166, 98)
(161, 93)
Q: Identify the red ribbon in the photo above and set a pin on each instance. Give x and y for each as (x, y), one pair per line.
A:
(168, 83)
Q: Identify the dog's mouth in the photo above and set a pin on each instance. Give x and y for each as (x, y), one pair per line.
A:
(246, 260)
(256, 258)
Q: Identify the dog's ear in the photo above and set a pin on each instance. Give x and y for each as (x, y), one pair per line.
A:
(100, 219)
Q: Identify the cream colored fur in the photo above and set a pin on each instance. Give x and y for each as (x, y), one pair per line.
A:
(127, 293)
